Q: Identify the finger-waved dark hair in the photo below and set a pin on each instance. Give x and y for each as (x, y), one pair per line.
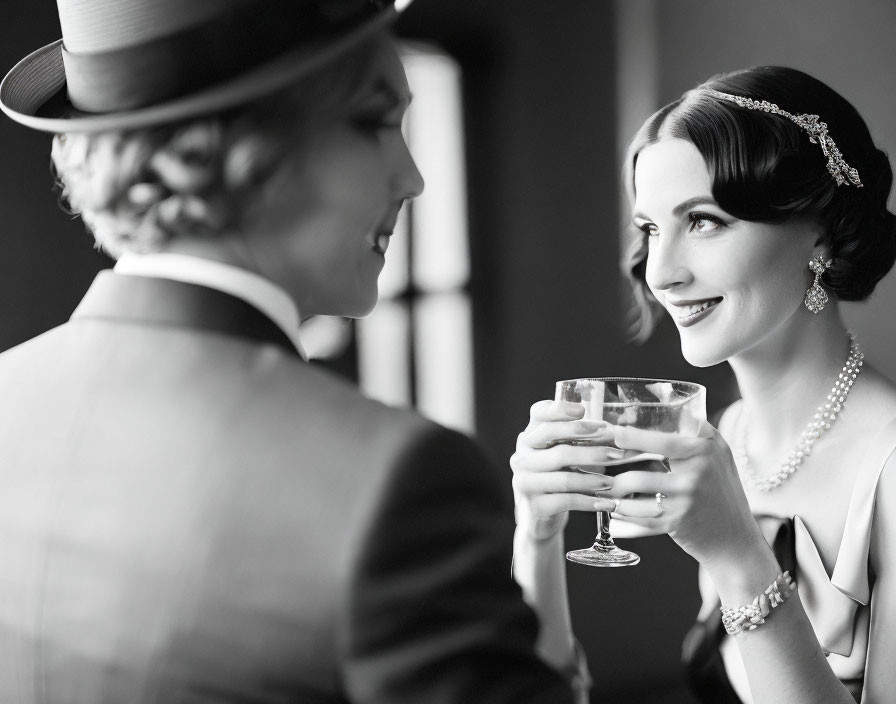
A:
(764, 168)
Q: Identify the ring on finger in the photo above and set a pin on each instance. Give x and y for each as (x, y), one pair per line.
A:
(659, 504)
(615, 506)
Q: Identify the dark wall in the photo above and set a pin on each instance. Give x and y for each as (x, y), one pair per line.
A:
(48, 261)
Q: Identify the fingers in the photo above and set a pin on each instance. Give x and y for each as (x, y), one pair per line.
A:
(555, 410)
(627, 527)
(547, 434)
(550, 493)
(670, 445)
(636, 482)
(641, 507)
(527, 459)
(550, 504)
(561, 482)
(646, 496)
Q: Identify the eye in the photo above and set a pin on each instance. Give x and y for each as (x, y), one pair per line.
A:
(649, 229)
(705, 222)
(379, 115)
(378, 121)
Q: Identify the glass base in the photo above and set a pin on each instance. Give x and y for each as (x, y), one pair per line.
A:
(603, 557)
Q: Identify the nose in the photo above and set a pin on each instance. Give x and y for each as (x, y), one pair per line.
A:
(666, 264)
(408, 180)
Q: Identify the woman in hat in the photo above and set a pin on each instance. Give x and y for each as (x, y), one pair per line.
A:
(790, 507)
(191, 513)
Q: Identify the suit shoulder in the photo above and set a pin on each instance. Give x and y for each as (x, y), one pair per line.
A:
(301, 400)
(307, 386)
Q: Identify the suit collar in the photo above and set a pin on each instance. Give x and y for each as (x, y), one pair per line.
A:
(256, 290)
(159, 301)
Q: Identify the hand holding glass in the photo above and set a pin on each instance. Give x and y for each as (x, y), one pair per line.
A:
(651, 404)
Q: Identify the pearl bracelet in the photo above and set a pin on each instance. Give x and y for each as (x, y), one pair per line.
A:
(746, 618)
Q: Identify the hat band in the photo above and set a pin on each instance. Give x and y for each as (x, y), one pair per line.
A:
(196, 58)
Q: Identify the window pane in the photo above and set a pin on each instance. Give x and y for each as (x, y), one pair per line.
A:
(435, 135)
(444, 358)
(384, 350)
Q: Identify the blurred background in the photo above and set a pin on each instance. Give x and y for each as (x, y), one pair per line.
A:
(504, 276)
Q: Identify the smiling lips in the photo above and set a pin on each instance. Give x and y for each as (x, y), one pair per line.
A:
(381, 242)
(687, 313)
(385, 230)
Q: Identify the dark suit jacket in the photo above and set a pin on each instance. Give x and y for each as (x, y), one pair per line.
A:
(190, 513)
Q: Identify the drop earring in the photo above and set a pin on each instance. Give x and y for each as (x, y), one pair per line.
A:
(816, 298)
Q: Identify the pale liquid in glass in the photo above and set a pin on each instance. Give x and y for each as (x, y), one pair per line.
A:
(651, 404)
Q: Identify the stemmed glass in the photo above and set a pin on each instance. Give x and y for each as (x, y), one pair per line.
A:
(654, 404)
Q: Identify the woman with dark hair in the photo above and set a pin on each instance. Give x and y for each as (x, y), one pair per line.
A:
(759, 201)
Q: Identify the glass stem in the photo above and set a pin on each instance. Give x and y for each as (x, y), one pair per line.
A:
(603, 541)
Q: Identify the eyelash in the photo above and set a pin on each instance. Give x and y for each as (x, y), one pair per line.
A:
(693, 219)
(377, 122)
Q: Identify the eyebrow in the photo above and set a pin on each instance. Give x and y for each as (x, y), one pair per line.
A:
(683, 207)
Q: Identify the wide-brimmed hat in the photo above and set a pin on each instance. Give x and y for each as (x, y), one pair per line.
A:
(132, 63)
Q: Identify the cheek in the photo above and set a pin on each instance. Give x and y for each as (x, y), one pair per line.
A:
(783, 276)
(352, 202)
(771, 286)
(348, 166)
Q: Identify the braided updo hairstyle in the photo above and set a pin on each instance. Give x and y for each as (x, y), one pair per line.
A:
(136, 190)
(764, 168)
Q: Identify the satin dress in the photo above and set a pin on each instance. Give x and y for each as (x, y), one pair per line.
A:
(838, 603)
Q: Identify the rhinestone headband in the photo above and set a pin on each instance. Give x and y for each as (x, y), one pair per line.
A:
(842, 172)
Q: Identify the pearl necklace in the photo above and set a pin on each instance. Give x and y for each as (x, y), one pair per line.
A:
(824, 416)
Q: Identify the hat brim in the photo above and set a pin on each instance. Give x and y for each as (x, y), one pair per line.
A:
(33, 92)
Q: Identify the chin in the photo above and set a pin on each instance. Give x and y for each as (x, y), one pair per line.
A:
(701, 356)
(360, 308)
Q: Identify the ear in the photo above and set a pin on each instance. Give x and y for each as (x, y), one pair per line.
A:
(821, 249)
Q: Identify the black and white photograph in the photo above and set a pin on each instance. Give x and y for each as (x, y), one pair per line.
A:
(431, 352)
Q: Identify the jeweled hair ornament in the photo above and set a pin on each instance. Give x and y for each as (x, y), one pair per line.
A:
(817, 130)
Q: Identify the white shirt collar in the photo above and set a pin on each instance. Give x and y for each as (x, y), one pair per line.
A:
(256, 290)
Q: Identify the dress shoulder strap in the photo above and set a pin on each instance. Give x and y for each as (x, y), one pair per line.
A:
(851, 570)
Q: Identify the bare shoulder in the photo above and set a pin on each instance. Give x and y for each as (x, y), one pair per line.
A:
(873, 399)
(877, 380)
